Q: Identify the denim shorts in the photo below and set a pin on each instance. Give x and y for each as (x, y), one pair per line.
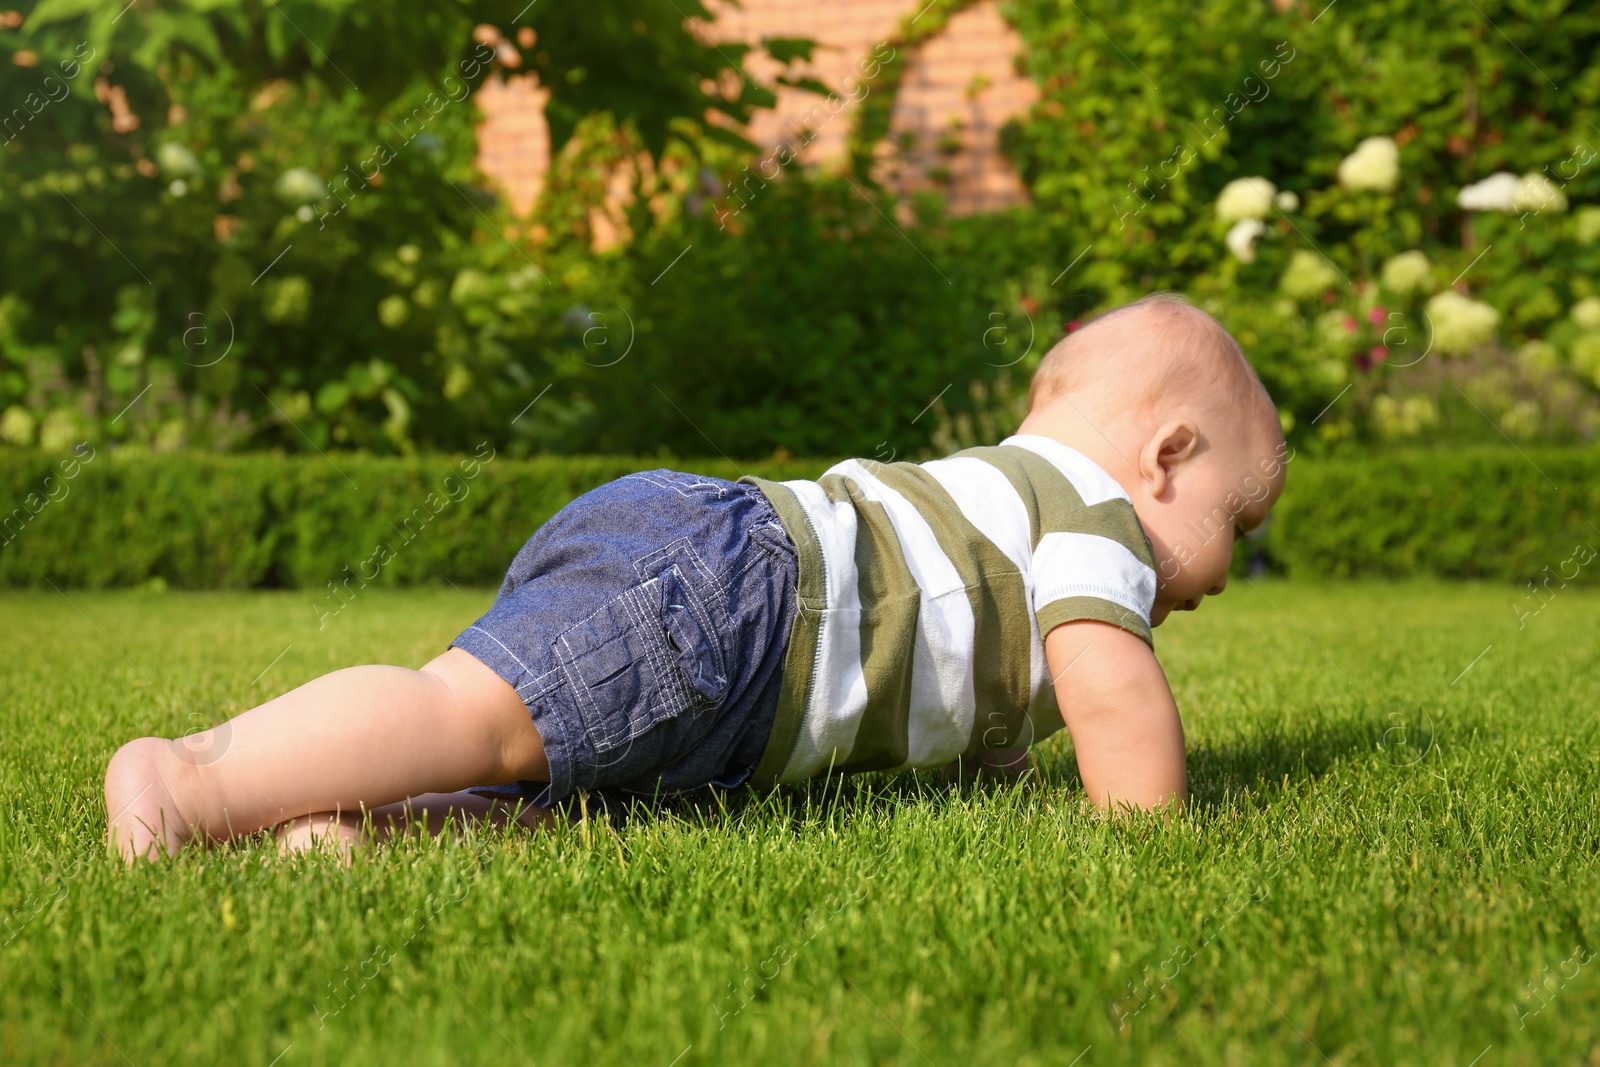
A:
(645, 627)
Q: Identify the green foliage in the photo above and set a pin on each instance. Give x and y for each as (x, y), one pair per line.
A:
(1150, 110)
(96, 519)
(637, 59)
(101, 519)
(1466, 513)
(250, 220)
(371, 295)
(807, 323)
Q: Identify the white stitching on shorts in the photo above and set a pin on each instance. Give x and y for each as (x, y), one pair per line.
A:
(682, 547)
(656, 655)
(525, 668)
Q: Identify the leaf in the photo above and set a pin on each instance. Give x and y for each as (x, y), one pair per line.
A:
(788, 49)
(810, 85)
(719, 135)
(57, 10)
(332, 396)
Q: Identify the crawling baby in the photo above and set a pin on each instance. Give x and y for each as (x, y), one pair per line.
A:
(668, 632)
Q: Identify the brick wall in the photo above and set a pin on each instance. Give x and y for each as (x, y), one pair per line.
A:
(958, 90)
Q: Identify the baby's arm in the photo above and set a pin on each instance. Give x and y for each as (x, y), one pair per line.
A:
(1118, 708)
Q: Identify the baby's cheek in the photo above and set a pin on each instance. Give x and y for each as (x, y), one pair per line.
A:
(1167, 571)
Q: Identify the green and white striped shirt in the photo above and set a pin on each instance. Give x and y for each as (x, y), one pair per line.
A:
(925, 591)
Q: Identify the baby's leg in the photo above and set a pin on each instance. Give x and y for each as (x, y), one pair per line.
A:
(430, 812)
(358, 738)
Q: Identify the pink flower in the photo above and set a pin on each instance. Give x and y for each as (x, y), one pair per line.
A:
(1376, 316)
(1378, 354)
(1349, 324)
(1073, 325)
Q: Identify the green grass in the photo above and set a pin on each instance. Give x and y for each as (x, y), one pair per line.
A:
(1383, 896)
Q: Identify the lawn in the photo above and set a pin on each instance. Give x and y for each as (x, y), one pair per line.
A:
(1390, 859)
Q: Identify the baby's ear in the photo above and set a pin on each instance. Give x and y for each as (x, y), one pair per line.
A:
(1174, 443)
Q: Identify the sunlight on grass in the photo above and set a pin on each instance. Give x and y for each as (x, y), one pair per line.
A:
(1391, 847)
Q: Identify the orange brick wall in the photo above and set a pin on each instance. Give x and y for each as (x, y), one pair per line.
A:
(958, 90)
(962, 83)
(514, 139)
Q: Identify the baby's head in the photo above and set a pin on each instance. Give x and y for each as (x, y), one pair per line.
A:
(1160, 395)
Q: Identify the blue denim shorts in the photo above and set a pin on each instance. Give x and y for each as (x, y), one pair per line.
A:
(645, 627)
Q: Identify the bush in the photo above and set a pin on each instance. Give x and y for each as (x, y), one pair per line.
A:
(1276, 168)
(232, 522)
(199, 202)
(812, 325)
(211, 238)
(1483, 513)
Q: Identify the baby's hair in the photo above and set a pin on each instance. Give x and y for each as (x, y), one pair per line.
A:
(1191, 352)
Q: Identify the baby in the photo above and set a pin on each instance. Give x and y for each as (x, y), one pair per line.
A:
(668, 631)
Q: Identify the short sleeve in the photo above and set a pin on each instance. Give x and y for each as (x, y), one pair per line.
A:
(1102, 569)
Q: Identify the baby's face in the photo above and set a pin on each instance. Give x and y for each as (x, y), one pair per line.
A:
(1208, 505)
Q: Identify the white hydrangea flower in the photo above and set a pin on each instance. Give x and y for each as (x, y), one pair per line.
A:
(1494, 193)
(59, 431)
(1586, 313)
(1241, 239)
(1287, 201)
(473, 286)
(1409, 272)
(1403, 417)
(1338, 330)
(1587, 222)
(177, 161)
(1539, 356)
(298, 185)
(1586, 356)
(17, 426)
(1537, 193)
(1245, 198)
(1460, 323)
(393, 311)
(287, 300)
(1375, 164)
(1521, 419)
(1307, 275)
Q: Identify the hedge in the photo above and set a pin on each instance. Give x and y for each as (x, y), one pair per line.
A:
(1491, 513)
(233, 522)
(236, 522)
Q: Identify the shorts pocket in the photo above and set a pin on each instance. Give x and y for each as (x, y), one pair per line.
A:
(692, 636)
(646, 656)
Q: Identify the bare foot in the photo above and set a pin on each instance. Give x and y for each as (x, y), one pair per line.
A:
(342, 832)
(143, 820)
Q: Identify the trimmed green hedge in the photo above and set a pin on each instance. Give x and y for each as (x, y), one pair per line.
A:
(1494, 513)
(232, 522)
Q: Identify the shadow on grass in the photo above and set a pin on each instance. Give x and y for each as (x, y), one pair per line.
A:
(1244, 772)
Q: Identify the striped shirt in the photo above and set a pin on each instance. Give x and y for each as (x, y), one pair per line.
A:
(924, 594)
